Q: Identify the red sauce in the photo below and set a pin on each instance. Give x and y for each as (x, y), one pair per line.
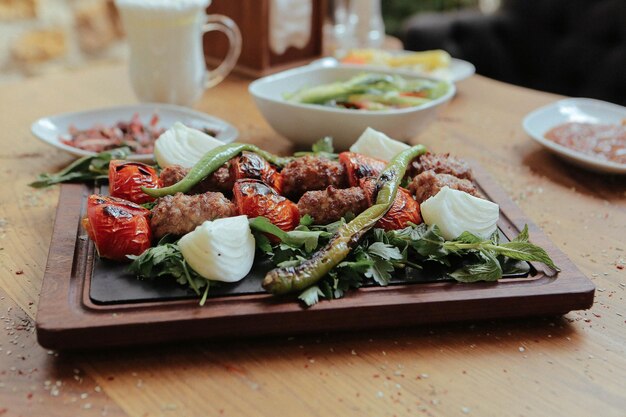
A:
(605, 142)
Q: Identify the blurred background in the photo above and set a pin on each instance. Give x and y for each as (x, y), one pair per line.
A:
(41, 36)
(571, 47)
(395, 12)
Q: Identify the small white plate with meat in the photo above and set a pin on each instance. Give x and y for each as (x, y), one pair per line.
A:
(585, 132)
(137, 126)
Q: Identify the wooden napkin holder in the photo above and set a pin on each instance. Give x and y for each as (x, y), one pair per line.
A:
(257, 58)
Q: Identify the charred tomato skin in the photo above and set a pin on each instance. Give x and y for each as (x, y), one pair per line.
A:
(254, 198)
(403, 211)
(360, 166)
(126, 179)
(252, 166)
(117, 227)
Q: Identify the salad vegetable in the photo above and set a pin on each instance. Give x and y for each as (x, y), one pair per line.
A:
(292, 278)
(319, 261)
(372, 91)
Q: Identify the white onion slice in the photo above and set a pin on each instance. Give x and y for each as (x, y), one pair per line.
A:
(220, 250)
(377, 145)
(455, 212)
(182, 145)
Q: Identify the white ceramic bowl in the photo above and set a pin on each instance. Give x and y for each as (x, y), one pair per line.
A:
(583, 110)
(304, 124)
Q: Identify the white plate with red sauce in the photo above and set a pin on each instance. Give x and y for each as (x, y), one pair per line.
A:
(578, 110)
(53, 129)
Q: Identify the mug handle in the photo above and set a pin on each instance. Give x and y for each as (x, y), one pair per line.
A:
(227, 26)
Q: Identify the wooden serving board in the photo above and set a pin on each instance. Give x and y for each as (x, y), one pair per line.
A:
(80, 308)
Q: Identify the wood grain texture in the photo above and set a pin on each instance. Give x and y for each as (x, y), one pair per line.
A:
(568, 366)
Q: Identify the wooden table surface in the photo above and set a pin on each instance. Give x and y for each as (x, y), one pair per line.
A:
(558, 366)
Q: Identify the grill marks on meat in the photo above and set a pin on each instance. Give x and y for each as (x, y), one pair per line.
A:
(312, 173)
(221, 180)
(329, 205)
(320, 184)
(429, 183)
(441, 164)
(180, 214)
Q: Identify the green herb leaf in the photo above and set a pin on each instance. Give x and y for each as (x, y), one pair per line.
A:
(486, 269)
(263, 243)
(166, 260)
(295, 238)
(306, 220)
(380, 272)
(87, 168)
(324, 145)
(525, 251)
(512, 266)
(523, 235)
(309, 239)
(262, 224)
(150, 205)
(384, 251)
(311, 295)
(428, 242)
(467, 237)
(346, 279)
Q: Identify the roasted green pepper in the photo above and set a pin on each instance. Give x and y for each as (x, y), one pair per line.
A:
(209, 163)
(296, 278)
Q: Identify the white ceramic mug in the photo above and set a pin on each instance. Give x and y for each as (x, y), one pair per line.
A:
(167, 63)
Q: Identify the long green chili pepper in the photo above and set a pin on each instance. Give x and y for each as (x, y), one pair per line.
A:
(209, 163)
(295, 278)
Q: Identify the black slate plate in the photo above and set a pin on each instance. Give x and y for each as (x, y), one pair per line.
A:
(111, 284)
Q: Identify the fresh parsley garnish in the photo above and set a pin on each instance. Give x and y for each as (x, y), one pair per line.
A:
(323, 147)
(166, 260)
(87, 168)
(468, 258)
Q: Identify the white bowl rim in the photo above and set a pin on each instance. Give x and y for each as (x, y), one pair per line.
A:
(253, 89)
(527, 123)
(465, 68)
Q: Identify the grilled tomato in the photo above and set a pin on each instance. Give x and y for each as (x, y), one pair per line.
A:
(252, 166)
(126, 179)
(403, 210)
(117, 227)
(255, 198)
(360, 166)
